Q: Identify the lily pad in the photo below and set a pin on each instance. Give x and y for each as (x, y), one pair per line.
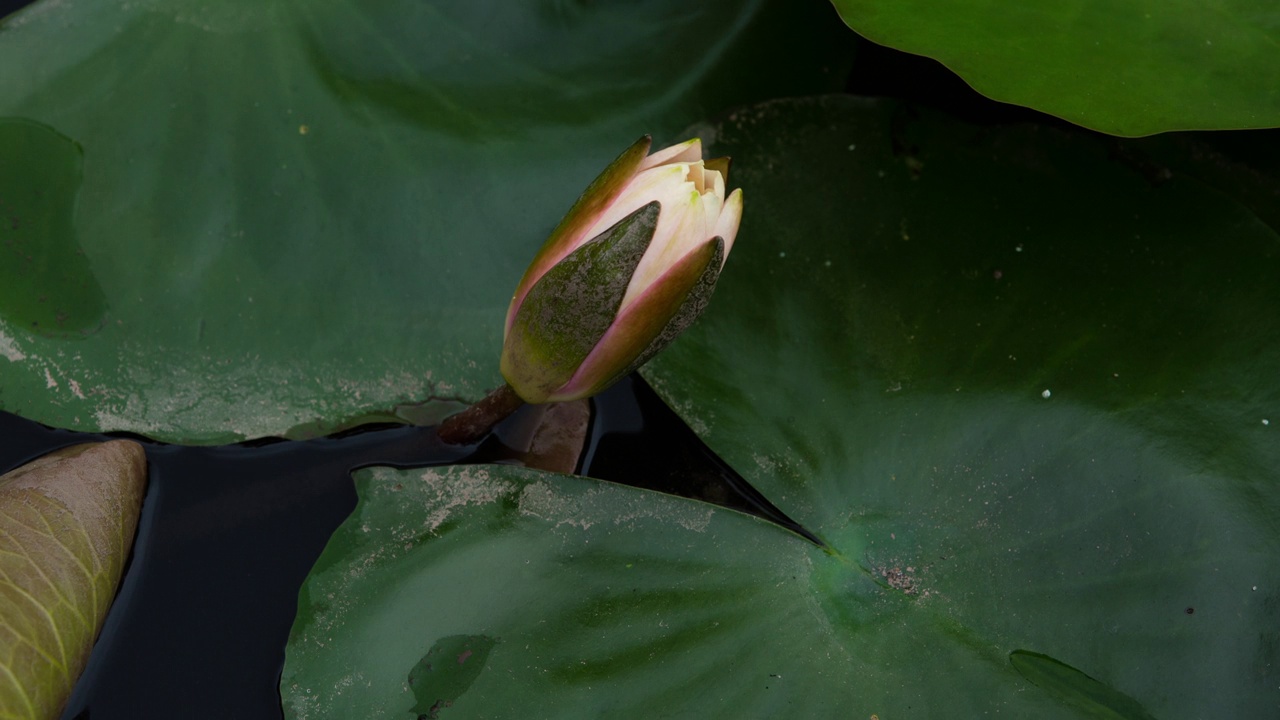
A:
(1127, 67)
(1006, 375)
(303, 213)
(67, 522)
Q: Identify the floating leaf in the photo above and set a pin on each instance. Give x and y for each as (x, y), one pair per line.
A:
(1011, 378)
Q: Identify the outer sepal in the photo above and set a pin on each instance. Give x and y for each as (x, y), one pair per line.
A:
(695, 302)
(572, 305)
(585, 211)
(650, 322)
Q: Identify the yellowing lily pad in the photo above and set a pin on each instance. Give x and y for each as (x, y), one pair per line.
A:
(66, 526)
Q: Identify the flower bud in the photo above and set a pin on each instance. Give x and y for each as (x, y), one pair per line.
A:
(630, 266)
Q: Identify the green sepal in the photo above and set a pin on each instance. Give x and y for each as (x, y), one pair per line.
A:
(649, 323)
(566, 313)
(585, 211)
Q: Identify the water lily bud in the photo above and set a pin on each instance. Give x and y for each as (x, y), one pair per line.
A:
(630, 266)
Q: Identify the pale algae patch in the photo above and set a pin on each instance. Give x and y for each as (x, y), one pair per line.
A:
(9, 348)
(444, 491)
(241, 395)
(614, 504)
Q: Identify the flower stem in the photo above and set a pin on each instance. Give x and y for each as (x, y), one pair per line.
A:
(476, 421)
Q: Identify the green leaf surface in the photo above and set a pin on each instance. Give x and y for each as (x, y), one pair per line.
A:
(1127, 67)
(46, 284)
(1025, 410)
(66, 525)
(302, 213)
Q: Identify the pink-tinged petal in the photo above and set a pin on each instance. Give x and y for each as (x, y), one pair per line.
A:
(571, 233)
(659, 184)
(726, 227)
(682, 226)
(636, 327)
(686, 152)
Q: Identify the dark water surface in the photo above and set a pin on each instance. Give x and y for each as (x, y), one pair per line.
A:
(228, 534)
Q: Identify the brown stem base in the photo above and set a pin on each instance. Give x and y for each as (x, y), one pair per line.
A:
(475, 422)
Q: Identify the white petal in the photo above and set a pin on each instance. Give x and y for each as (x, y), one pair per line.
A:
(727, 226)
(713, 205)
(656, 184)
(682, 226)
(717, 183)
(688, 151)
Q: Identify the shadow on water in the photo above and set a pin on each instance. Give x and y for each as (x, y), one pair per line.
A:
(228, 534)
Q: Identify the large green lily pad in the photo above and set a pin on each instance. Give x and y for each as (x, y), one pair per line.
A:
(876, 361)
(1128, 67)
(301, 213)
